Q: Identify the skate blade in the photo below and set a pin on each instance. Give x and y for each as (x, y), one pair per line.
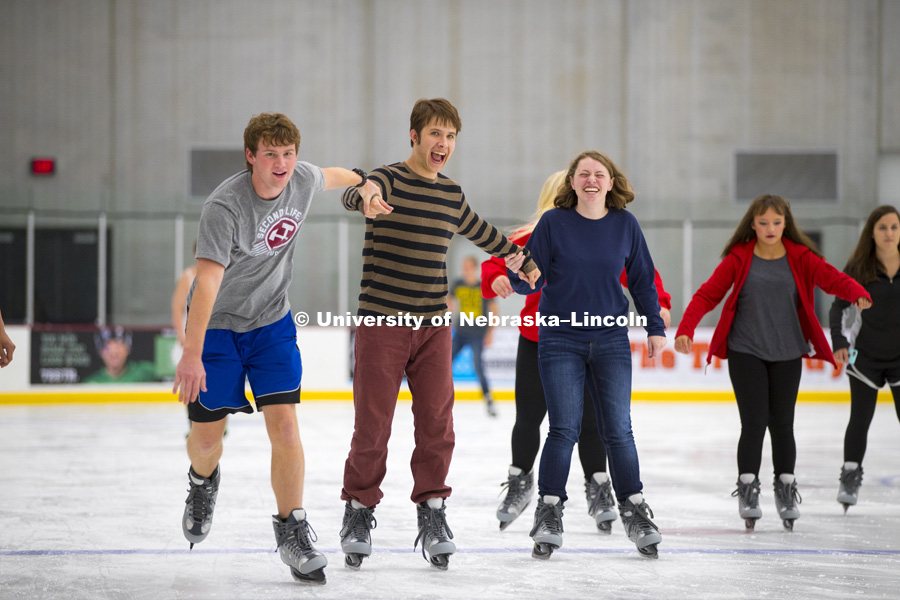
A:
(649, 551)
(505, 524)
(846, 506)
(440, 561)
(788, 524)
(542, 551)
(316, 577)
(750, 524)
(605, 527)
(353, 561)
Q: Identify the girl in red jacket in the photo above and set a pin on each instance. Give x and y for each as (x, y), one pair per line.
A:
(767, 325)
(531, 405)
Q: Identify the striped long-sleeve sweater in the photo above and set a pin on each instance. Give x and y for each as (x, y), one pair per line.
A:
(405, 252)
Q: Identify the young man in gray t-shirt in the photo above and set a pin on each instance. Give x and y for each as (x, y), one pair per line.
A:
(239, 322)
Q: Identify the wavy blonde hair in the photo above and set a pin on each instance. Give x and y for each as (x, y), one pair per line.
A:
(545, 201)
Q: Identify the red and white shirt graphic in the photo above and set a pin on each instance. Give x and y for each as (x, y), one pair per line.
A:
(275, 236)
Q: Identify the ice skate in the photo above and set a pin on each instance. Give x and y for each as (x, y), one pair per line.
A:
(434, 533)
(356, 539)
(199, 506)
(851, 480)
(601, 503)
(519, 490)
(636, 515)
(747, 493)
(786, 500)
(548, 528)
(296, 550)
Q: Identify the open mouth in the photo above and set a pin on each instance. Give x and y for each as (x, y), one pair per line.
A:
(438, 157)
(591, 190)
(280, 173)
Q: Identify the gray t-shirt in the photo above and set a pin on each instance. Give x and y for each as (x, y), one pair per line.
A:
(766, 324)
(254, 240)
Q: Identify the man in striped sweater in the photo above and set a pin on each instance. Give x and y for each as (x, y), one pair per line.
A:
(405, 273)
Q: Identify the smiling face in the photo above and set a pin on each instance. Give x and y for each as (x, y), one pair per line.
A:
(432, 148)
(273, 167)
(769, 227)
(591, 182)
(886, 233)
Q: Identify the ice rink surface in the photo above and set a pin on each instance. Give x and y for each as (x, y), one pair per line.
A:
(91, 499)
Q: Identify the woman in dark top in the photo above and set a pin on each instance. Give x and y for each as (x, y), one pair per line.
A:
(875, 358)
(767, 326)
(581, 247)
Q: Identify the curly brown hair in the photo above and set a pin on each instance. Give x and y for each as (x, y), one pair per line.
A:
(620, 194)
(274, 129)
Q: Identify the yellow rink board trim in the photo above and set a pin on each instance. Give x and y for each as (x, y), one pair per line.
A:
(129, 396)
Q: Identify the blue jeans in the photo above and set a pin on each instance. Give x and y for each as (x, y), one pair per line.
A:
(605, 365)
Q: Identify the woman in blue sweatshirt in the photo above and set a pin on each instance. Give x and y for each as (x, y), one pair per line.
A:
(581, 248)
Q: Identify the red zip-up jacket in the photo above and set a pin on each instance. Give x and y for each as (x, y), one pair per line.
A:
(809, 271)
(495, 267)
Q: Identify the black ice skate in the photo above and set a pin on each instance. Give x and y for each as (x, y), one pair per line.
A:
(640, 529)
(356, 539)
(786, 500)
(851, 480)
(434, 533)
(296, 550)
(548, 528)
(601, 503)
(199, 506)
(519, 491)
(748, 502)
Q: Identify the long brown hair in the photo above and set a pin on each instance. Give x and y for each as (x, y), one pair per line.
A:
(745, 233)
(863, 265)
(620, 194)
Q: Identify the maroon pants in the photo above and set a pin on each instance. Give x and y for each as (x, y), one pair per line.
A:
(383, 354)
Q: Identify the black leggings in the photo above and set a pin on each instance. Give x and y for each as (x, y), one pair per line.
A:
(766, 394)
(862, 408)
(531, 408)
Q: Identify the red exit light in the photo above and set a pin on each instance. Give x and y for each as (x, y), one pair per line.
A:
(43, 166)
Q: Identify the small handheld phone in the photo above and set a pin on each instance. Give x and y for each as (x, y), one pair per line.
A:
(853, 353)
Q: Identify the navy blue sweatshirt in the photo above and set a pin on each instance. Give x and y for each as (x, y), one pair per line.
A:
(581, 260)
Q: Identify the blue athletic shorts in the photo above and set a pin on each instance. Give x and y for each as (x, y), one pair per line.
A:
(267, 356)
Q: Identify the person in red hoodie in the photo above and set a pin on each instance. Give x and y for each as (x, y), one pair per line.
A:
(767, 325)
(531, 405)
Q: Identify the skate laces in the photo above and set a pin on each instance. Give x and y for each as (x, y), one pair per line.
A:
(434, 524)
(599, 495)
(548, 518)
(200, 499)
(515, 488)
(296, 536)
(787, 493)
(359, 522)
(851, 480)
(748, 493)
(640, 518)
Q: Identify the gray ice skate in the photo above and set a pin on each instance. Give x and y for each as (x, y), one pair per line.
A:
(851, 480)
(434, 533)
(548, 528)
(199, 506)
(638, 526)
(748, 502)
(356, 539)
(601, 503)
(519, 491)
(296, 550)
(786, 500)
